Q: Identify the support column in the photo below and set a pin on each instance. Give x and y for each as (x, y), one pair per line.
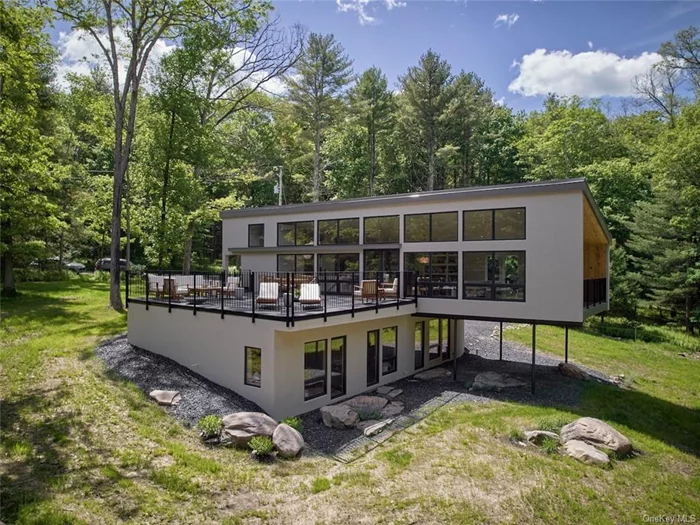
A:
(454, 349)
(534, 329)
(566, 344)
(500, 343)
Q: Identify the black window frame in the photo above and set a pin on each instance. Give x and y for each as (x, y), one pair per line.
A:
(430, 226)
(296, 233)
(377, 359)
(398, 229)
(492, 284)
(245, 367)
(263, 235)
(395, 359)
(325, 369)
(422, 345)
(430, 273)
(295, 255)
(493, 224)
(337, 232)
(345, 366)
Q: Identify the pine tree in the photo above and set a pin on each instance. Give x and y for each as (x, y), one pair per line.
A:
(323, 71)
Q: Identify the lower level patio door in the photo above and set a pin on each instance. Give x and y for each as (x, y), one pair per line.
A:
(338, 365)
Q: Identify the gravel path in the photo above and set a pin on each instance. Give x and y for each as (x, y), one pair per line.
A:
(201, 397)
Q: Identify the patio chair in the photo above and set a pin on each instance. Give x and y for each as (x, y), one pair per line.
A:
(393, 290)
(368, 290)
(310, 295)
(173, 290)
(231, 284)
(268, 294)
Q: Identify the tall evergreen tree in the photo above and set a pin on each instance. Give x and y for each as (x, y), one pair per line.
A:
(372, 104)
(425, 88)
(323, 72)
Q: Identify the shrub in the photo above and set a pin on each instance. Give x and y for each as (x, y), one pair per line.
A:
(293, 422)
(366, 415)
(210, 426)
(261, 445)
(553, 423)
(550, 445)
(516, 435)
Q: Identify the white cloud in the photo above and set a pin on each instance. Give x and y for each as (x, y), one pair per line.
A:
(506, 20)
(514, 63)
(588, 74)
(365, 12)
(590, 45)
(500, 101)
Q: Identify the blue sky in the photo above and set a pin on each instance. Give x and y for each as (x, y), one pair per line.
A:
(465, 34)
(523, 50)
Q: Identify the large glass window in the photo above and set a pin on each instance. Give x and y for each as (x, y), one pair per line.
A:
(445, 338)
(256, 235)
(337, 272)
(494, 276)
(382, 264)
(299, 263)
(431, 227)
(433, 339)
(372, 357)
(338, 360)
(419, 349)
(389, 350)
(339, 231)
(499, 224)
(314, 369)
(295, 233)
(437, 273)
(381, 230)
(253, 366)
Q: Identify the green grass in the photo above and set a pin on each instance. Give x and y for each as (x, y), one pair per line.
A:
(80, 445)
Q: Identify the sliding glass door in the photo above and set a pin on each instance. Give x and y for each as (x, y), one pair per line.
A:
(338, 360)
(372, 357)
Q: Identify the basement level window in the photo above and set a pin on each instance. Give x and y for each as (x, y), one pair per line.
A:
(253, 366)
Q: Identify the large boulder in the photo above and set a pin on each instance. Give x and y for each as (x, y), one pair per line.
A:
(571, 370)
(166, 397)
(598, 433)
(288, 441)
(495, 381)
(339, 416)
(241, 427)
(538, 436)
(585, 453)
(367, 404)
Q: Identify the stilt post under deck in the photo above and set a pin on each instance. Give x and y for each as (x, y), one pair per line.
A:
(500, 342)
(566, 344)
(454, 351)
(534, 328)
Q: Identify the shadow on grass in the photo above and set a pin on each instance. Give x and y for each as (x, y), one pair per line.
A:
(675, 425)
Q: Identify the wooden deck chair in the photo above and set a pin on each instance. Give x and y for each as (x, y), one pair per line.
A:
(392, 291)
(368, 290)
(268, 294)
(171, 289)
(310, 294)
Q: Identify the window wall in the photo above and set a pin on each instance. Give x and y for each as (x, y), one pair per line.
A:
(338, 366)
(431, 227)
(339, 231)
(253, 366)
(438, 339)
(315, 357)
(494, 276)
(298, 263)
(437, 273)
(372, 357)
(256, 235)
(389, 350)
(295, 233)
(419, 348)
(381, 230)
(497, 224)
(336, 272)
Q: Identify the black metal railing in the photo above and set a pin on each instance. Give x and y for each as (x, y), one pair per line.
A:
(285, 296)
(435, 287)
(595, 292)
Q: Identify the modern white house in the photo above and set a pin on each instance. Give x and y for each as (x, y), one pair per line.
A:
(322, 301)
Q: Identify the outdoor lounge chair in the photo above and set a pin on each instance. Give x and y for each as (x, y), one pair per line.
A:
(310, 295)
(268, 294)
(393, 290)
(173, 290)
(231, 284)
(368, 291)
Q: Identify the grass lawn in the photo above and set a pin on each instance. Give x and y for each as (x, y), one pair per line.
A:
(81, 446)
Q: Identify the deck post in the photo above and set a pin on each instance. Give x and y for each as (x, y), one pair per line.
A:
(376, 293)
(194, 287)
(293, 307)
(126, 286)
(352, 295)
(500, 342)
(398, 289)
(252, 292)
(454, 351)
(147, 286)
(566, 344)
(290, 298)
(223, 279)
(170, 291)
(415, 287)
(325, 296)
(534, 329)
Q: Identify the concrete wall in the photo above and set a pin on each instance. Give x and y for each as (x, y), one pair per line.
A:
(289, 355)
(553, 246)
(209, 345)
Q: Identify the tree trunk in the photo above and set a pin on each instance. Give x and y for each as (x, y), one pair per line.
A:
(166, 182)
(187, 260)
(431, 164)
(317, 165)
(115, 297)
(373, 158)
(8, 272)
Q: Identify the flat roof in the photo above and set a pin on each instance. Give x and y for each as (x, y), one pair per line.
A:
(521, 188)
